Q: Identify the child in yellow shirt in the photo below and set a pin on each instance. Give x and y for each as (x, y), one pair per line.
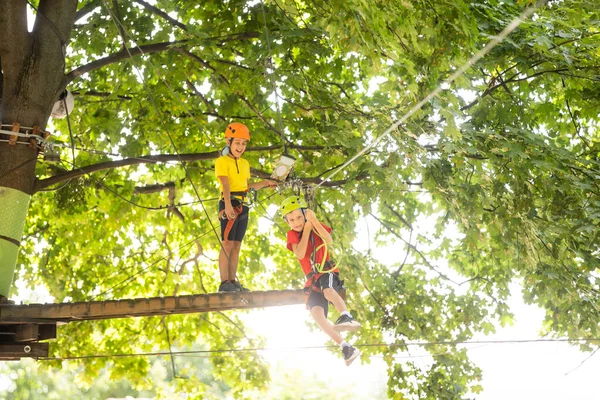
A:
(233, 173)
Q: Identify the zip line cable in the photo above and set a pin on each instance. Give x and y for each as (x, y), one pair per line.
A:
(476, 57)
(393, 346)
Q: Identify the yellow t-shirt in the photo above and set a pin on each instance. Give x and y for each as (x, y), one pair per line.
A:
(238, 172)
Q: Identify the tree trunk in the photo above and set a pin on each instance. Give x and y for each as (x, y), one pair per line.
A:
(32, 79)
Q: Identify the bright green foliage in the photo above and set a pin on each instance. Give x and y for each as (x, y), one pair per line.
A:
(514, 171)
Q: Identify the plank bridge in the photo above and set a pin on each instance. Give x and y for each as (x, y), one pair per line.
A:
(23, 327)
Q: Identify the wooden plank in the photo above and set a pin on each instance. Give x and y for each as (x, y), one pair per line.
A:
(27, 332)
(16, 351)
(147, 307)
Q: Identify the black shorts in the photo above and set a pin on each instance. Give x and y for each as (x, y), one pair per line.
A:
(238, 230)
(325, 281)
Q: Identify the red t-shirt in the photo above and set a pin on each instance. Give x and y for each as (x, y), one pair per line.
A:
(294, 237)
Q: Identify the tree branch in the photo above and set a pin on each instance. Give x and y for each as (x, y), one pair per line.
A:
(159, 158)
(575, 124)
(119, 56)
(88, 169)
(316, 180)
(153, 188)
(413, 247)
(119, 23)
(162, 14)
(86, 9)
(204, 100)
(99, 94)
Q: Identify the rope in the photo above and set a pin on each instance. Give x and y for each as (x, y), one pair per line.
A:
(117, 24)
(476, 57)
(143, 270)
(269, 63)
(70, 132)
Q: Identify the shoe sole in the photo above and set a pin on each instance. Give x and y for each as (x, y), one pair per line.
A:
(231, 290)
(347, 327)
(354, 356)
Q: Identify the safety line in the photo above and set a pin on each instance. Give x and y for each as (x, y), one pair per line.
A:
(124, 29)
(476, 57)
(392, 346)
(143, 270)
(271, 78)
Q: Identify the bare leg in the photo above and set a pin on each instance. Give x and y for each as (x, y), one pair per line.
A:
(318, 315)
(333, 297)
(234, 257)
(225, 260)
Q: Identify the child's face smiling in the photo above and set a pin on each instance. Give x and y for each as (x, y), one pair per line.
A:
(295, 220)
(237, 147)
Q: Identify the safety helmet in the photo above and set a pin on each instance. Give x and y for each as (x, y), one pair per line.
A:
(291, 204)
(238, 131)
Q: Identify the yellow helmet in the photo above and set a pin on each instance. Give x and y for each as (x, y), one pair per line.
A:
(291, 204)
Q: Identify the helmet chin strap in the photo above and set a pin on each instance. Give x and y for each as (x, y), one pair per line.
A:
(227, 149)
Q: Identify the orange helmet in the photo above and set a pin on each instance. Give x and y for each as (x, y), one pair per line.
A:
(237, 130)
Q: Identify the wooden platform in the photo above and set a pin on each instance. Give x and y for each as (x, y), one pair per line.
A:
(23, 326)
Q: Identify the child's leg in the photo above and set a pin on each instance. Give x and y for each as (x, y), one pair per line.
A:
(345, 322)
(334, 298)
(234, 257)
(225, 256)
(318, 315)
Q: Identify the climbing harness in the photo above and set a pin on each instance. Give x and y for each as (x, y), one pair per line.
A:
(238, 210)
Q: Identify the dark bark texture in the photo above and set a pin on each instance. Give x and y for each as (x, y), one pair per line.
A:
(32, 77)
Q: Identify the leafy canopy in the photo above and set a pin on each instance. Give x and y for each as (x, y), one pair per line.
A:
(507, 156)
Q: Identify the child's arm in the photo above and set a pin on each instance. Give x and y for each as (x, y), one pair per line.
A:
(262, 184)
(312, 218)
(227, 197)
(300, 248)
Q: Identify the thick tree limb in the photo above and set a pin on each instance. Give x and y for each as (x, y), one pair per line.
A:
(119, 56)
(44, 183)
(14, 34)
(88, 169)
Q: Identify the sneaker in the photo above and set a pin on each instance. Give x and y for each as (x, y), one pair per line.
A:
(227, 287)
(239, 286)
(346, 323)
(350, 354)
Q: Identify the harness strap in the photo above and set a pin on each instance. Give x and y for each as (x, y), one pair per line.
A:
(240, 196)
(318, 267)
(238, 210)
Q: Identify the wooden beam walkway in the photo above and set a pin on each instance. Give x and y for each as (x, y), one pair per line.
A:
(144, 307)
(22, 327)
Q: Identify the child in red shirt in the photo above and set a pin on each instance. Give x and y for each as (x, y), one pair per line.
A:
(308, 239)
